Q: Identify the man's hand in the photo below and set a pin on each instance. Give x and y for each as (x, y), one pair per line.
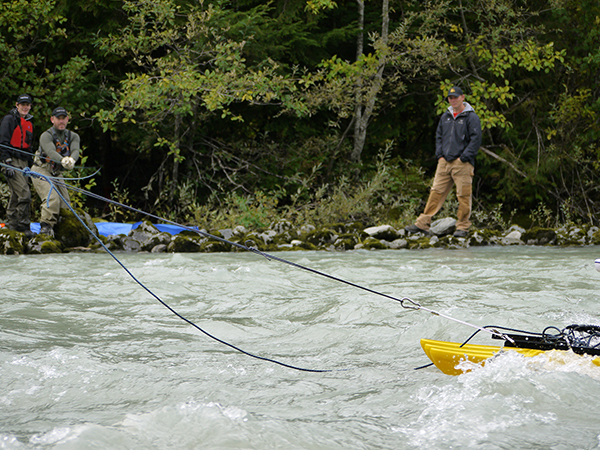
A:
(68, 162)
(8, 171)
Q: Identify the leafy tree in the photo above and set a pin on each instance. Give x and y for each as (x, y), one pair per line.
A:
(191, 66)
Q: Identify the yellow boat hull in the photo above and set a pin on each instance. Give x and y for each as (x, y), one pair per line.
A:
(447, 355)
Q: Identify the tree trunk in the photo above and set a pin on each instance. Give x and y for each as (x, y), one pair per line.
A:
(175, 174)
(365, 103)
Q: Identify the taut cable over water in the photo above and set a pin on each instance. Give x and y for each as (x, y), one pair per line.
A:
(405, 302)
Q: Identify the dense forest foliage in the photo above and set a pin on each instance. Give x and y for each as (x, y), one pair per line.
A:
(239, 112)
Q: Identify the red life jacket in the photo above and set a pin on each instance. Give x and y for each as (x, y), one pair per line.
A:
(20, 138)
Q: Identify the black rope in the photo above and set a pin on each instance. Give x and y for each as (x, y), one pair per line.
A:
(52, 181)
(29, 154)
(245, 246)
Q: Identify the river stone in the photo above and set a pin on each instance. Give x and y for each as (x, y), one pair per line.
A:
(512, 238)
(11, 242)
(386, 232)
(443, 227)
(71, 232)
(345, 242)
(227, 233)
(143, 232)
(40, 245)
(398, 243)
(306, 229)
(539, 236)
(130, 244)
(240, 230)
(186, 242)
(373, 244)
(281, 226)
(163, 238)
(267, 236)
(160, 248)
(322, 237)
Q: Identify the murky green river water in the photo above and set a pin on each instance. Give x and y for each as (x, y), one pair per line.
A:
(89, 360)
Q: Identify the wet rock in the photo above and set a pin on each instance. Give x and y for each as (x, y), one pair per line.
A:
(240, 230)
(227, 233)
(130, 244)
(281, 226)
(40, 245)
(385, 232)
(443, 227)
(571, 235)
(483, 237)
(306, 229)
(186, 242)
(322, 237)
(373, 244)
(346, 241)
(512, 238)
(12, 242)
(397, 244)
(214, 246)
(595, 237)
(267, 236)
(71, 232)
(539, 236)
(143, 232)
(158, 239)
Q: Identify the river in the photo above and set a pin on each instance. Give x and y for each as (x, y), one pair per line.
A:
(89, 359)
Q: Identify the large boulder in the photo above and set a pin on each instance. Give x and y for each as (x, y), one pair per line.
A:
(69, 230)
(41, 244)
(386, 232)
(443, 227)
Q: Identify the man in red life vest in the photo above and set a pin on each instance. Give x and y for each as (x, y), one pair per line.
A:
(457, 141)
(59, 150)
(16, 142)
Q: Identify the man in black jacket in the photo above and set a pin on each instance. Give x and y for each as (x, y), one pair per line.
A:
(16, 142)
(457, 141)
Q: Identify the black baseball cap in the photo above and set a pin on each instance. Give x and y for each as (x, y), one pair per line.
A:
(455, 91)
(24, 98)
(60, 111)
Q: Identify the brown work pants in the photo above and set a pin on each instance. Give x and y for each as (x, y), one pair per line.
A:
(51, 201)
(446, 175)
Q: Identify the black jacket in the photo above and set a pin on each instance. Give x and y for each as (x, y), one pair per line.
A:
(9, 123)
(458, 137)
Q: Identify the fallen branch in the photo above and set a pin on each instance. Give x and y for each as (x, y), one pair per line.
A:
(500, 158)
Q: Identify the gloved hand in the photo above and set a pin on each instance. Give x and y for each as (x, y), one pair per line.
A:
(68, 162)
(8, 171)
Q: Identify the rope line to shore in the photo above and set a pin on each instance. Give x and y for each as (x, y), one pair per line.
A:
(405, 302)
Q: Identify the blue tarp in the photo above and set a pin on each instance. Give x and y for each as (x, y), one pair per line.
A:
(108, 228)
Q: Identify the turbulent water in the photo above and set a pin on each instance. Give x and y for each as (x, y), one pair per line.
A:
(89, 359)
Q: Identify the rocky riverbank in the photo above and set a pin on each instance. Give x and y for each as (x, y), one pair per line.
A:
(72, 236)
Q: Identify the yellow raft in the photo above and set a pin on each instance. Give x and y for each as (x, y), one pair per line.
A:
(447, 355)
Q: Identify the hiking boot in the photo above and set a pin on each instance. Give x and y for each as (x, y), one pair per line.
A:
(46, 228)
(415, 229)
(26, 230)
(460, 233)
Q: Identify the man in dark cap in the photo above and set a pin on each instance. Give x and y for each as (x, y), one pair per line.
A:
(16, 142)
(457, 141)
(59, 150)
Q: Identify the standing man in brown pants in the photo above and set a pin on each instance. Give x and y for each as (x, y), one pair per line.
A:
(457, 141)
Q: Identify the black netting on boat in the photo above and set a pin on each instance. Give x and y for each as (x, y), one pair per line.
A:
(582, 336)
